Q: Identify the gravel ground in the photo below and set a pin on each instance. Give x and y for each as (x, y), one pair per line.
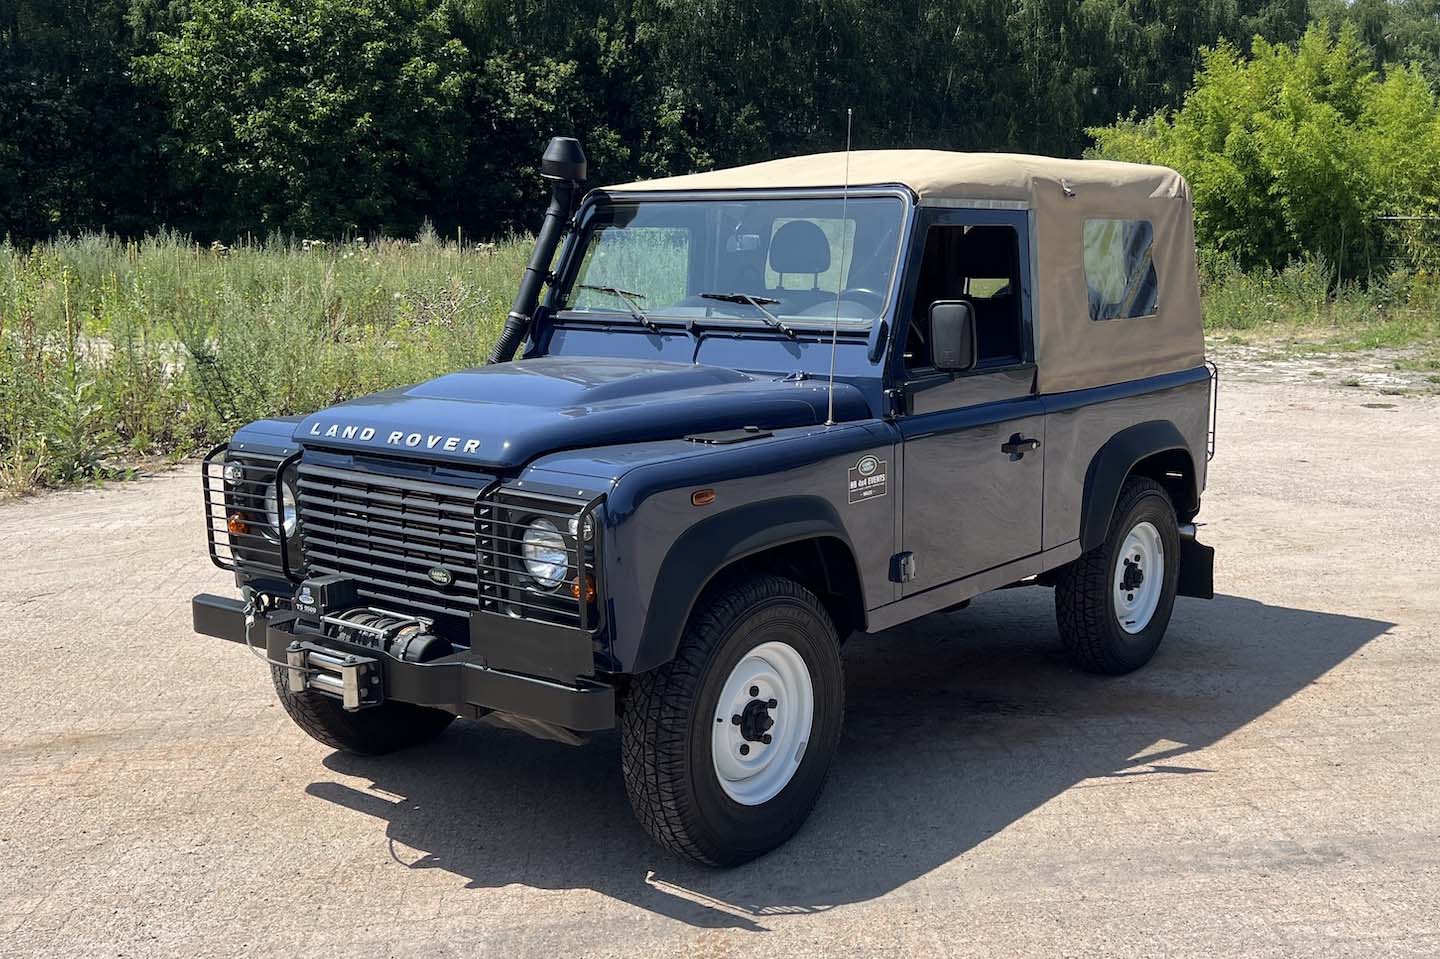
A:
(1392, 371)
(1267, 786)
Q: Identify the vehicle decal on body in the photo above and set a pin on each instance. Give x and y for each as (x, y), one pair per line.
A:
(869, 479)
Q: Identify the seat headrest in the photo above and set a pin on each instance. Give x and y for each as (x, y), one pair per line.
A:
(799, 247)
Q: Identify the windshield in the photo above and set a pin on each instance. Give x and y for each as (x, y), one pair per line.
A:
(699, 259)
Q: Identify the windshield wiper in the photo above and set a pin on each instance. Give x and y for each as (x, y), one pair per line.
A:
(629, 300)
(759, 302)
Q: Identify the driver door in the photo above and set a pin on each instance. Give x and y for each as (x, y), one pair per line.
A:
(973, 477)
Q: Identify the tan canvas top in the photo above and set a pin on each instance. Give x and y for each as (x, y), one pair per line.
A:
(1072, 351)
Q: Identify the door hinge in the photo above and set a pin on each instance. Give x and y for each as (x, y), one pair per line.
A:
(902, 567)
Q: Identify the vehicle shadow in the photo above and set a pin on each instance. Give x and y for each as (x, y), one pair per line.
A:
(956, 727)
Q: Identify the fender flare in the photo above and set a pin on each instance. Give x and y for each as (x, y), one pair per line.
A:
(706, 548)
(1110, 467)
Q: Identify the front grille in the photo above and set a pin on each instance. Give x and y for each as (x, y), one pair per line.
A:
(390, 535)
(505, 588)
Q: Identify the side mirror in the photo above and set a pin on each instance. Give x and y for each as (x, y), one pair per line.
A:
(952, 335)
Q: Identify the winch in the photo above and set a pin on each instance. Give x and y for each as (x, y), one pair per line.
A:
(357, 680)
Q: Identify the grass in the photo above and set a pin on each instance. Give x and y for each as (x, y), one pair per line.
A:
(1296, 309)
(114, 353)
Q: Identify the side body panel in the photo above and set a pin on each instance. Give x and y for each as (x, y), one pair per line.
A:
(1078, 427)
(969, 506)
(661, 550)
(1079, 424)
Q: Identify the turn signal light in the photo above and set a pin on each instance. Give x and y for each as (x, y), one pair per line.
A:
(589, 589)
(702, 497)
(236, 525)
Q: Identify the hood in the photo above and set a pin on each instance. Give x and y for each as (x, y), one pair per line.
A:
(504, 415)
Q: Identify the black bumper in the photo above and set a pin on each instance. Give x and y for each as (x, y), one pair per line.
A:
(452, 682)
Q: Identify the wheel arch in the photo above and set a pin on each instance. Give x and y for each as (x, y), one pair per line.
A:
(1155, 449)
(801, 537)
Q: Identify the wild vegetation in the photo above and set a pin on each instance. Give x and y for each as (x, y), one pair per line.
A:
(113, 351)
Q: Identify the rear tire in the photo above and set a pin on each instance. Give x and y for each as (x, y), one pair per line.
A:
(1113, 604)
(366, 732)
(725, 749)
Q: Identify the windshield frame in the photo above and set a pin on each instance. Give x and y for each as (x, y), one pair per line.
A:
(572, 253)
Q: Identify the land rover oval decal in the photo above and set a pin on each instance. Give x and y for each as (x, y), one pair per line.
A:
(869, 478)
(441, 576)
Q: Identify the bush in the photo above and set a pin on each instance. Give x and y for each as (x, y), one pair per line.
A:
(1301, 152)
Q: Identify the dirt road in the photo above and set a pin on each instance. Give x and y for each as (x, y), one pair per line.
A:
(1270, 785)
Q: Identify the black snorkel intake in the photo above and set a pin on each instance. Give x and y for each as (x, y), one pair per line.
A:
(564, 166)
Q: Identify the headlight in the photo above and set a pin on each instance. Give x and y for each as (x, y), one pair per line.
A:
(272, 508)
(546, 559)
(234, 473)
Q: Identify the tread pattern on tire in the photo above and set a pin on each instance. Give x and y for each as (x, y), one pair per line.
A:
(367, 732)
(655, 725)
(1082, 590)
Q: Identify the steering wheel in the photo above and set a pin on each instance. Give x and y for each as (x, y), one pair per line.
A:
(865, 295)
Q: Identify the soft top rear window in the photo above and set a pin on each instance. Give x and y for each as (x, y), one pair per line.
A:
(1120, 269)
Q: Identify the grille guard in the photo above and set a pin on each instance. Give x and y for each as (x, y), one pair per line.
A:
(365, 527)
(261, 473)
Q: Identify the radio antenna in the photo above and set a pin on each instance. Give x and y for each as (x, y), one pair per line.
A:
(840, 279)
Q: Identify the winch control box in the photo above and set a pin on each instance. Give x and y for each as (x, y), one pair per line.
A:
(324, 594)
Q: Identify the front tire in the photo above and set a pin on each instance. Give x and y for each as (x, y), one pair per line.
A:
(367, 732)
(725, 749)
(1113, 604)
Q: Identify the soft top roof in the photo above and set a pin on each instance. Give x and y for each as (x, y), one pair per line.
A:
(936, 174)
(1071, 350)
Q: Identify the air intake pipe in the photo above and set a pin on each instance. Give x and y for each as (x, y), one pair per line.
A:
(564, 166)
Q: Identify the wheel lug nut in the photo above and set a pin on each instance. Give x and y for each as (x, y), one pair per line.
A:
(765, 739)
(772, 703)
(735, 719)
(754, 690)
(744, 749)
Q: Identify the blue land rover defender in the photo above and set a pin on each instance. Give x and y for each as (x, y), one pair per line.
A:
(756, 411)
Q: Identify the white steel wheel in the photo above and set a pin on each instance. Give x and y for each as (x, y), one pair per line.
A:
(762, 723)
(1139, 577)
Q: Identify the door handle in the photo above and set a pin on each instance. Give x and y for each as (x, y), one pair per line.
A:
(1019, 446)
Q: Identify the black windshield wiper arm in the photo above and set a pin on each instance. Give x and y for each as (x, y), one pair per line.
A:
(628, 299)
(759, 302)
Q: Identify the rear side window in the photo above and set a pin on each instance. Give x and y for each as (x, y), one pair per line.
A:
(1120, 269)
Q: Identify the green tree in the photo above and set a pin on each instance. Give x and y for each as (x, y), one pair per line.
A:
(1399, 32)
(1294, 151)
(73, 129)
(313, 116)
(224, 117)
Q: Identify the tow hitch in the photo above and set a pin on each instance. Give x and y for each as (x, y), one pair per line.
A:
(354, 680)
